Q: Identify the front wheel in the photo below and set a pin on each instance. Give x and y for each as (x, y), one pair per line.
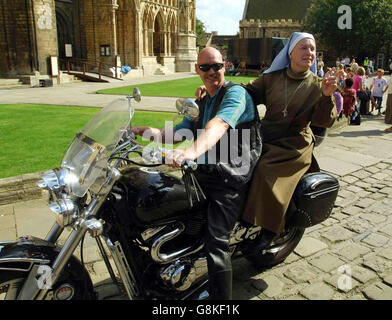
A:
(279, 250)
(74, 284)
(10, 284)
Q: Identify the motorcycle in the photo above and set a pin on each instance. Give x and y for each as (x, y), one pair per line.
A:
(150, 222)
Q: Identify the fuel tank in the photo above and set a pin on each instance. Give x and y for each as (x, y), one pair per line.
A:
(156, 196)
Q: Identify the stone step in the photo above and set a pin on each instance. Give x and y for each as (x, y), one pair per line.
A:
(162, 71)
(9, 82)
(14, 86)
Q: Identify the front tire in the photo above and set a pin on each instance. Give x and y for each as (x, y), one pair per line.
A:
(11, 282)
(279, 250)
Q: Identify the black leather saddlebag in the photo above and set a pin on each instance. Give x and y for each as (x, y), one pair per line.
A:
(314, 199)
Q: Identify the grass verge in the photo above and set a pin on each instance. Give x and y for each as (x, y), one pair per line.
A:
(35, 137)
(183, 88)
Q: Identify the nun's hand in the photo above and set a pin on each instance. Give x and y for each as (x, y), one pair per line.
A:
(329, 86)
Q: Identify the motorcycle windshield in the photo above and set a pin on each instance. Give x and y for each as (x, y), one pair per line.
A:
(86, 157)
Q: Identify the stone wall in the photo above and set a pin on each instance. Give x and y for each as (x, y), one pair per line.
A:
(106, 31)
(20, 188)
(28, 36)
(281, 28)
(16, 38)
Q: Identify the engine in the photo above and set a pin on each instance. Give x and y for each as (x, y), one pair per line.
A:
(183, 265)
(182, 274)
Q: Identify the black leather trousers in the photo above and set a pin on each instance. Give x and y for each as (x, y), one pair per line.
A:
(225, 207)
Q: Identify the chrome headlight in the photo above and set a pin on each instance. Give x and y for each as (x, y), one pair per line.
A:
(50, 181)
(65, 211)
(55, 181)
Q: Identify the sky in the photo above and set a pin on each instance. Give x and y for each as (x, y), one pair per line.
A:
(220, 15)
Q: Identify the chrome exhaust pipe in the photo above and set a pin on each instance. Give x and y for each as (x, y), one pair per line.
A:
(169, 233)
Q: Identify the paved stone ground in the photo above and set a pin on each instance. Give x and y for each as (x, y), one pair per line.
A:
(349, 256)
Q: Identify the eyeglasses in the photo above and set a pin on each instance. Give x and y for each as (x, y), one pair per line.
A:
(207, 67)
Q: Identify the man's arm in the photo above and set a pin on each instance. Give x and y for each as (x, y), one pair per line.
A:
(157, 135)
(213, 132)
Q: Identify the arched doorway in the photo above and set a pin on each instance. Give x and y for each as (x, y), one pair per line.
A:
(64, 33)
(158, 38)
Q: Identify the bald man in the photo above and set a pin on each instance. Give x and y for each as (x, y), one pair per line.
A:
(227, 111)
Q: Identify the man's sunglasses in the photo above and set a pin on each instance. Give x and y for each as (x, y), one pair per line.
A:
(207, 67)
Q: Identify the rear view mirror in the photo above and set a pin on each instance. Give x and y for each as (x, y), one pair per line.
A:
(136, 94)
(187, 107)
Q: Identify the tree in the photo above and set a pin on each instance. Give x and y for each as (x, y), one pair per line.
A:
(200, 32)
(368, 33)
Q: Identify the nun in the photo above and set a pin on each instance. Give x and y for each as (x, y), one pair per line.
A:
(295, 97)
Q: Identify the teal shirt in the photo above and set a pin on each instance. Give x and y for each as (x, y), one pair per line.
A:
(237, 107)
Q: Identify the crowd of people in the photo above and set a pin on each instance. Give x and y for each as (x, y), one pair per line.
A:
(359, 93)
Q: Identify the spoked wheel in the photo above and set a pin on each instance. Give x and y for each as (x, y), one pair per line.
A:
(279, 250)
(10, 285)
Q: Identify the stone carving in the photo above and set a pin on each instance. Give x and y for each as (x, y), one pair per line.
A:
(44, 21)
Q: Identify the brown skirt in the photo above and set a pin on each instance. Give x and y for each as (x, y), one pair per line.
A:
(388, 112)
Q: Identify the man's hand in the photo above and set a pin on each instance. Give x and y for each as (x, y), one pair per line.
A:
(200, 92)
(176, 157)
(329, 86)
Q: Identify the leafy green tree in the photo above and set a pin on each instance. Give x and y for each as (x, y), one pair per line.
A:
(200, 32)
(371, 28)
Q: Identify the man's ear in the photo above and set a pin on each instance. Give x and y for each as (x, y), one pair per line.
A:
(196, 68)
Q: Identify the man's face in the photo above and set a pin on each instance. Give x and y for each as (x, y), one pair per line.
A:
(212, 79)
(303, 55)
(379, 74)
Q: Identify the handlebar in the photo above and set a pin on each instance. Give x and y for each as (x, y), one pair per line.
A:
(189, 164)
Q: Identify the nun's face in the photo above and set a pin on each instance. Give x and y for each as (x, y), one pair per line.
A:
(303, 55)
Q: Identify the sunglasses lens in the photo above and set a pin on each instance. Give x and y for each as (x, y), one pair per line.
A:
(207, 67)
(204, 67)
(217, 66)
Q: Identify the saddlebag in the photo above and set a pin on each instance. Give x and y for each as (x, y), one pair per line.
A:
(314, 199)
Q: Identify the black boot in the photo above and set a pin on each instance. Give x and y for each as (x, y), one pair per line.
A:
(263, 240)
(221, 284)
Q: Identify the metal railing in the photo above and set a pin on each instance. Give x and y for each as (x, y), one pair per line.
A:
(83, 66)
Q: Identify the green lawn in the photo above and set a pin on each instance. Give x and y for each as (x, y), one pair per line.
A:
(184, 88)
(35, 137)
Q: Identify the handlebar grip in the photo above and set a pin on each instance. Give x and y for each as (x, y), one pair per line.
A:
(189, 164)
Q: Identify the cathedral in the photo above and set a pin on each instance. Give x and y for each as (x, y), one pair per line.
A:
(272, 18)
(145, 35)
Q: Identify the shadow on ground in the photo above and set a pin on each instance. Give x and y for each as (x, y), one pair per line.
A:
(366, 133)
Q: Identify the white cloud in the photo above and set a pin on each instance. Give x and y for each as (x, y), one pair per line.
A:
(220, 15)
